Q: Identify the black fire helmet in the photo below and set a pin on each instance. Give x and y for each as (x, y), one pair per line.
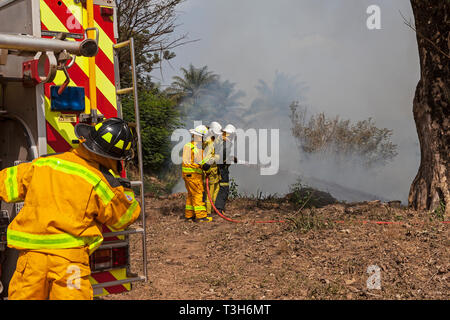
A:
(111, 138)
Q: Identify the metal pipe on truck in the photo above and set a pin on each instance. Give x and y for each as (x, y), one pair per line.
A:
(86, 48)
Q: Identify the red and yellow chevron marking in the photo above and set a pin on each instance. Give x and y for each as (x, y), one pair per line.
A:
(67, 16)
(111, 275)
(108, 276)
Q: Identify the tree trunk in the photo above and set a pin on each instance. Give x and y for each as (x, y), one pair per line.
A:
(430, 189)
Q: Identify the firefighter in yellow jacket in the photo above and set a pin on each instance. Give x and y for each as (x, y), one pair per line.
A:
(192, 171)
(66, 199)
(214, 133)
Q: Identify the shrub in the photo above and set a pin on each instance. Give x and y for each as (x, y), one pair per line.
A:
(159, 118)
(302, 196)
(324, 136)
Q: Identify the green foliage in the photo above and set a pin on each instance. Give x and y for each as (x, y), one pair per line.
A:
(299, 196)
(234, 193)
(159, 118)
(302, 196)
(194, 82)
(439, 212)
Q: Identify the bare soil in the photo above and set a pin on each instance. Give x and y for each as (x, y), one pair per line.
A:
(316, 254)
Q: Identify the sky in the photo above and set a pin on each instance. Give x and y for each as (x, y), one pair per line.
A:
(350, 71)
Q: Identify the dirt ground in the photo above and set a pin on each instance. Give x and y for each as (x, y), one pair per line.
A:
(316, 254)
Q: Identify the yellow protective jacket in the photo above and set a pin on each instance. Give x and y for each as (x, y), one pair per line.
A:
(66, 199)
(212, 159)
(192, 159)
(193, 176)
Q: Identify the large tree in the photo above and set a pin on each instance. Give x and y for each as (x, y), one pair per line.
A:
(152, 24)
(430, 189)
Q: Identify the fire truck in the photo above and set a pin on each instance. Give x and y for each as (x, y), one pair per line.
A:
(58, 67)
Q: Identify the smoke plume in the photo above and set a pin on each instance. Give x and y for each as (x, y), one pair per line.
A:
(322, 54)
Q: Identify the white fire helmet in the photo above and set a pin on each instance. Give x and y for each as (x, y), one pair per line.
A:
(200, 130)
(230, 130)
(215, 129)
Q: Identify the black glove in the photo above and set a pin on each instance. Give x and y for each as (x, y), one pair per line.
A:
(124, 182)
(206, 167)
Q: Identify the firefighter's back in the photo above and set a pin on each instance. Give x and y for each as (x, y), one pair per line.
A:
(64, 192)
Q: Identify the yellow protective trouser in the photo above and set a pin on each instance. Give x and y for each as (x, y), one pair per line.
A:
(214, 191)
(195, 206)
(42, 276)
(214, 179)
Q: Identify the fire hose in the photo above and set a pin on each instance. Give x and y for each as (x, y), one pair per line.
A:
(232, 220)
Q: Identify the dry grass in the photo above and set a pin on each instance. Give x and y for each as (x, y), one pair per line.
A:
(223, 260)
(333, 136)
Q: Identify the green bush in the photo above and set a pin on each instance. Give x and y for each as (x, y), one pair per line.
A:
(159, 117)
(234, 193)
(302, 196)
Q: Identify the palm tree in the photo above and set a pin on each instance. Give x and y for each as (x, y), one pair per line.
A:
(187, 90)
(222, 96)
(202, 95)
(193, 83)
(279, 96)
(272, 103)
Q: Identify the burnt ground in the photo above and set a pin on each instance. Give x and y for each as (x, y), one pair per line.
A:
(316, 254)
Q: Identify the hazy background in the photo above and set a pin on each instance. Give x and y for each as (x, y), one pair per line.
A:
(349, 71)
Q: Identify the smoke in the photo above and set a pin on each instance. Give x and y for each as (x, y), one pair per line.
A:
(322, 54)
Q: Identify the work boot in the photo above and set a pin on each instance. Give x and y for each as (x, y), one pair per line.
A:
(189, 219)
(205, 219)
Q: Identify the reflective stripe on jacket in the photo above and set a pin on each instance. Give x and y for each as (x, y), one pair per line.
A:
(66, 199)
(212, 159)
(192, 159)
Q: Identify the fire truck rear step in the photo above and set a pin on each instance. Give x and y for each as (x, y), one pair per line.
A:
(124, 232)
(117, 282)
